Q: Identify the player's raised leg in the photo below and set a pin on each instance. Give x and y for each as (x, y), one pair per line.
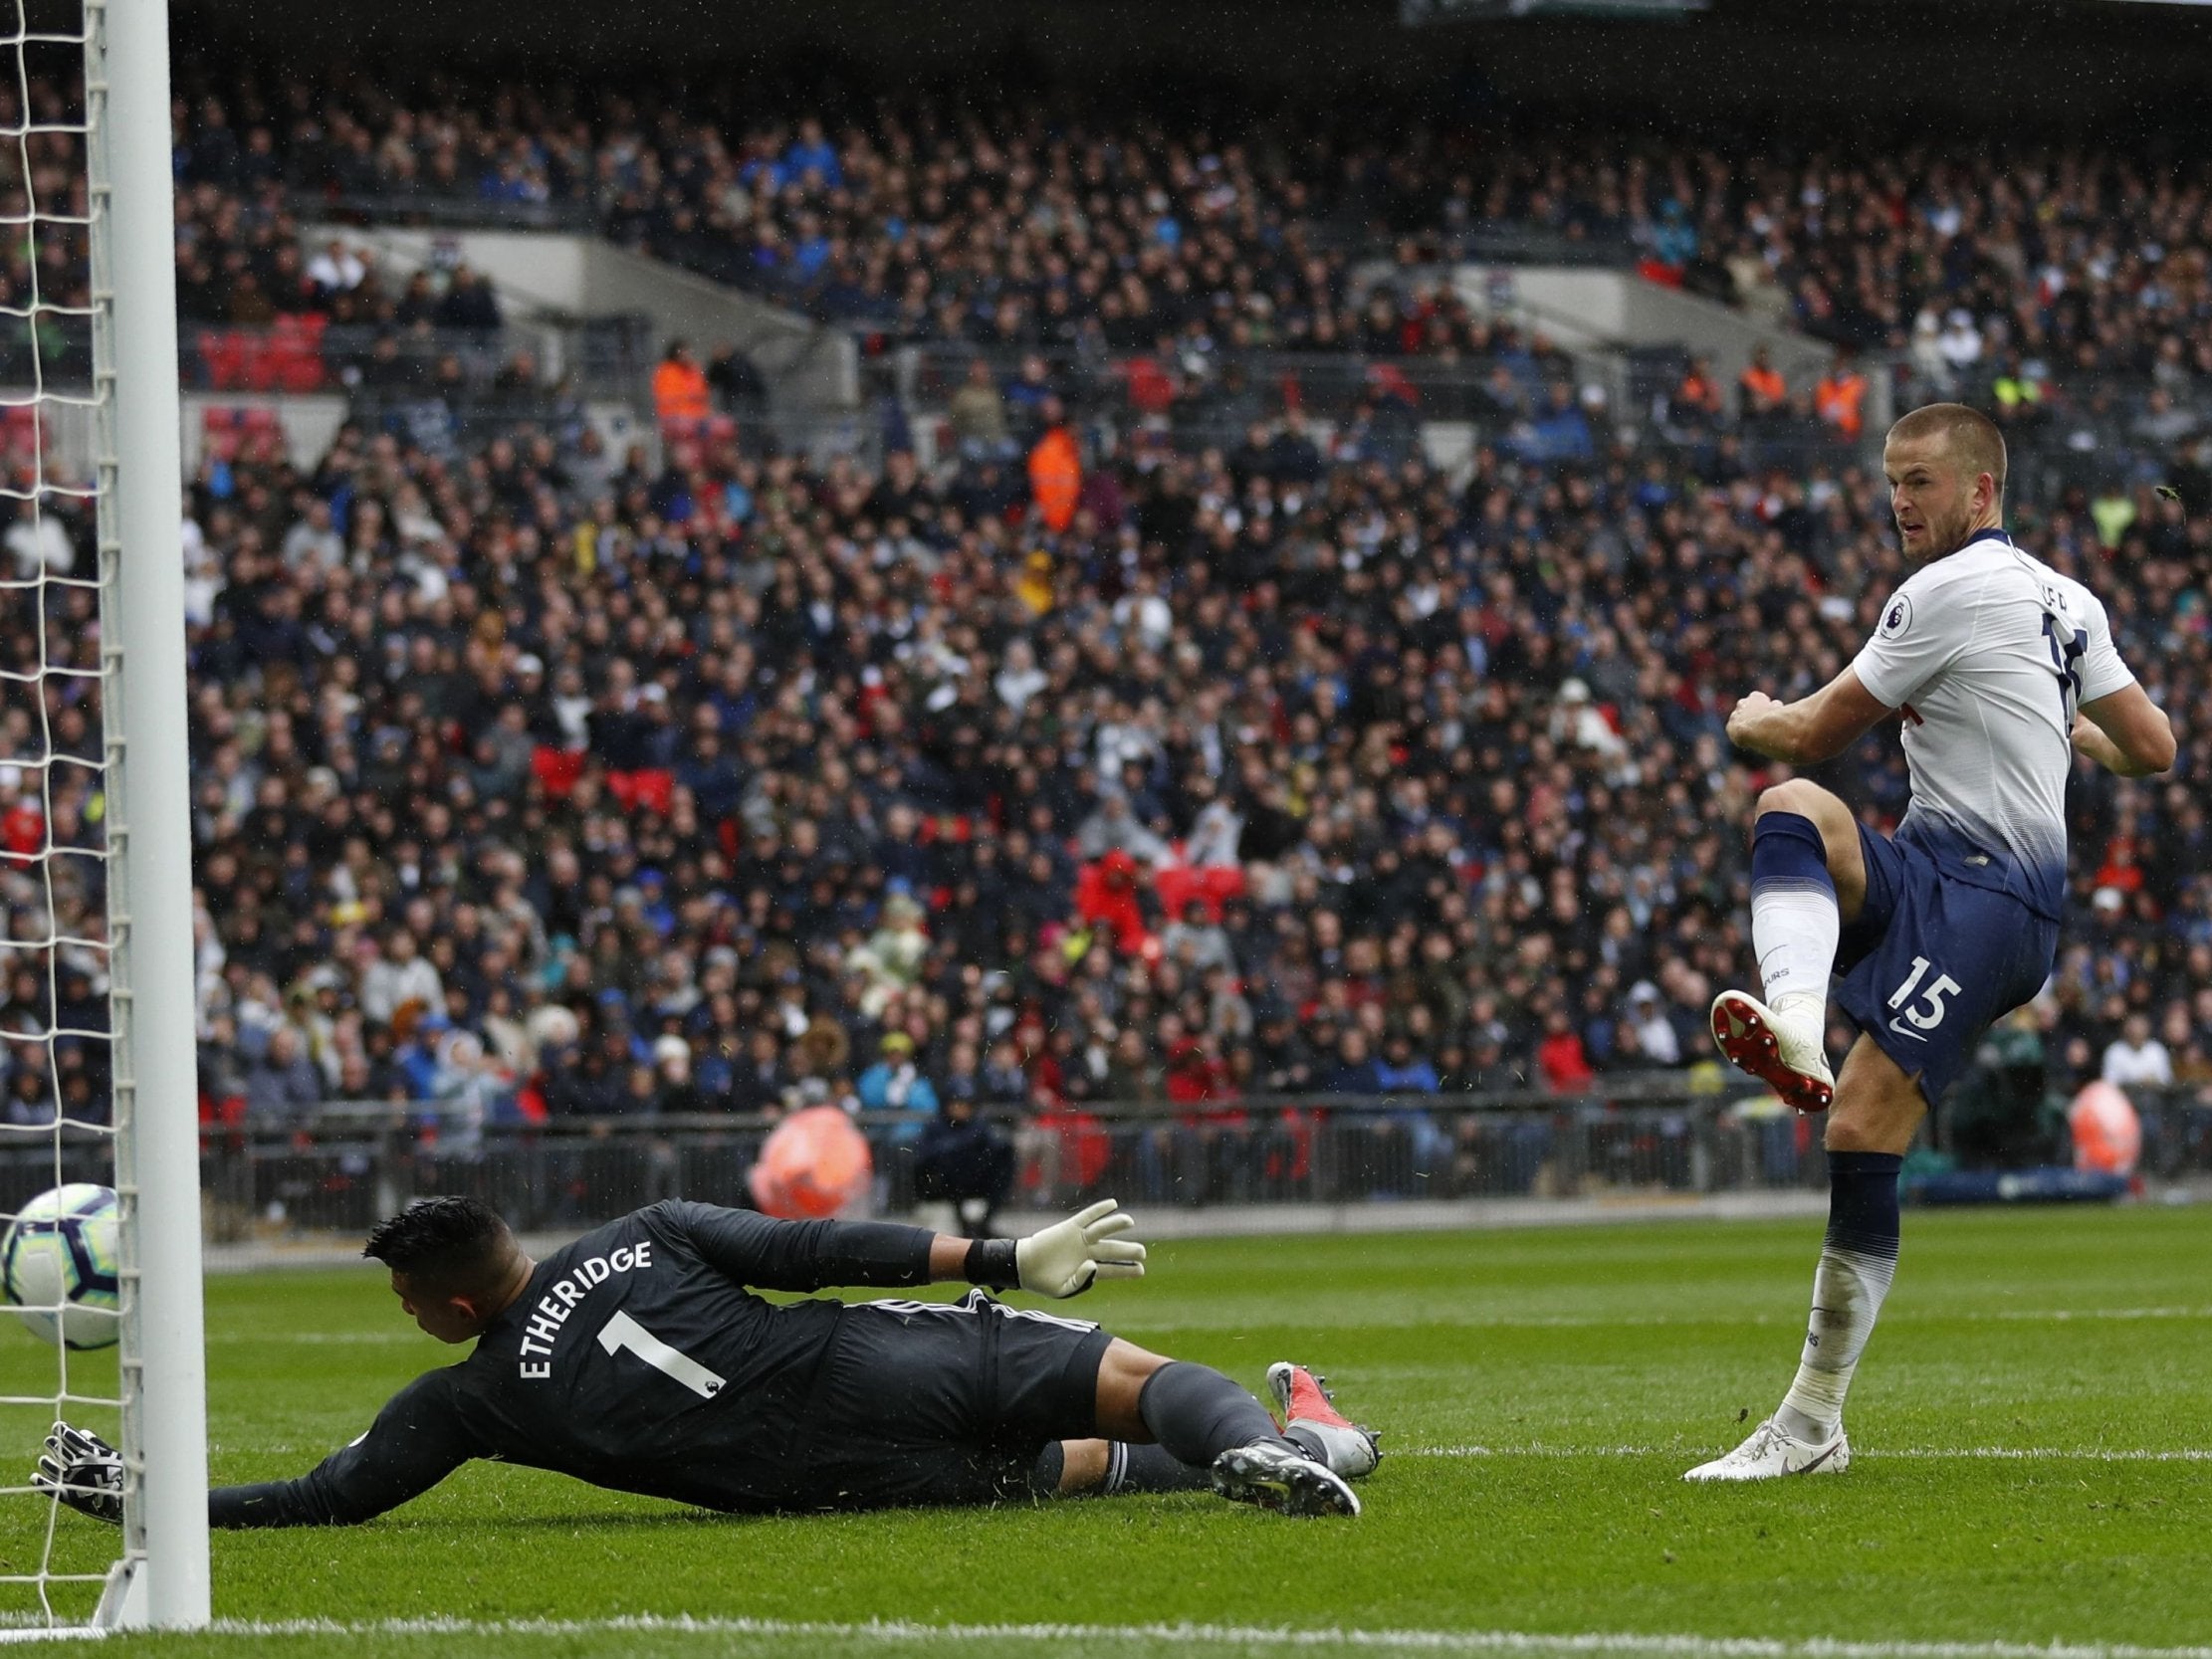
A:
(1807, 876)
(1877, 1108)
(2004, 671)
(1201, 1417)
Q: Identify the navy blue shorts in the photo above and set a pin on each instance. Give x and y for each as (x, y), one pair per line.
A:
(1933, 961)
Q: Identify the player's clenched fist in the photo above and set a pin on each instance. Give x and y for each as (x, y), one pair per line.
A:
(1744, 720)
(1065, 1258)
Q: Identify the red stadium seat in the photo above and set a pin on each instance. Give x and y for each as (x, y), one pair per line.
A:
(1213, 887)
(558, 769)
(652, 789)
(1150, 392)
(223, 357)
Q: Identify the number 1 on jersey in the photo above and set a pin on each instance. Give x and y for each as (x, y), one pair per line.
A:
(622, 1332)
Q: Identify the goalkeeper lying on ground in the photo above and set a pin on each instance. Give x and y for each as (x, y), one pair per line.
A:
(637, 1359)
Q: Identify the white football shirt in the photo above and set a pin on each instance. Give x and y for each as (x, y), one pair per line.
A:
(1988, 651)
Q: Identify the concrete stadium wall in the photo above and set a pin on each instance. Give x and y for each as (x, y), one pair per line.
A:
(309, 422)
(809, 367)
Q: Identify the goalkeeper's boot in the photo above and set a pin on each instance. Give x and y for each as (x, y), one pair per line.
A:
(83, 1471)
(1771, 1453)
(1311, 1420)
(1278, 1478)
(1782, 1046)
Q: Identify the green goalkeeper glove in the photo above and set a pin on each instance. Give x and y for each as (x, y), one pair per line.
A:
(1065, 1259)
(84, 1472)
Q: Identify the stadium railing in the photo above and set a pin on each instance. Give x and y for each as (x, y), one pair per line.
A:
(467, 211)
(1213, 401)
(608, 357)
(345, 1165)
(1332, 1150)
(2094, 433)
(1261, 384)
(1499, 242)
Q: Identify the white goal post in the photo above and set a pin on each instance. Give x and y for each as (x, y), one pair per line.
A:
(162, 1579)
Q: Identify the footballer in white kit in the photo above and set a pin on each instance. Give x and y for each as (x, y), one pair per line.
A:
(2002, 669)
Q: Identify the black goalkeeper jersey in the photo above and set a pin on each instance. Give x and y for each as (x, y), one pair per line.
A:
(638, 1360)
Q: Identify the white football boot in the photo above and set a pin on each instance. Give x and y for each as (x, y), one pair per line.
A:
(1782, 1046)
(1307, 1408)
(1771, 1453)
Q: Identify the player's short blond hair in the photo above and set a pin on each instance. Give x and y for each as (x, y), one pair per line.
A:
(1972, 437)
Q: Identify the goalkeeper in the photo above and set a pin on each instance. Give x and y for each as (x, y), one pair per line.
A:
(640, 1358)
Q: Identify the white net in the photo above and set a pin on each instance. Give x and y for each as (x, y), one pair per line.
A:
(58, 1089)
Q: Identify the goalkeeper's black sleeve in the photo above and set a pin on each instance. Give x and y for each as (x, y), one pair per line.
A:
(755, 1250)
(416, 1441)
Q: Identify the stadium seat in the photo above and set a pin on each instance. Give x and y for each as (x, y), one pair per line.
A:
(558, 769)
(651, 789)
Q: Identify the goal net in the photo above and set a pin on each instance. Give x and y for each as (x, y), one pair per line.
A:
(95, 972)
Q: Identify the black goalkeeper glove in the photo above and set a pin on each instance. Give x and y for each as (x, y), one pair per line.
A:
(84, 1472)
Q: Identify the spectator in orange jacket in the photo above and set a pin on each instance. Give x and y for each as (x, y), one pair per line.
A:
(1696, 404)
(680, 386)
(1056, 472)
(1763, 391)
(1839, 397)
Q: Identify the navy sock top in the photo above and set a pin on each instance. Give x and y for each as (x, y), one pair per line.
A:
(1863, 1202)
(1787, 851)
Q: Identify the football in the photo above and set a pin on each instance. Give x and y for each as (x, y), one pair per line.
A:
(814, 1165)
(58, 1266)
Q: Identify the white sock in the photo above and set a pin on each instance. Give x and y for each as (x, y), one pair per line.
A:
(1794, 929)
(1847, 1288)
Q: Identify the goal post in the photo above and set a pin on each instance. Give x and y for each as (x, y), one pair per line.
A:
(162, 1579)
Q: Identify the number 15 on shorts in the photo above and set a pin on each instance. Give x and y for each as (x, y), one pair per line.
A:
(1925, 1014)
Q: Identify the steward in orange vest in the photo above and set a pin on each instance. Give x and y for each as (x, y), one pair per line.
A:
(1839, 399)
(680, 388)
(1056, 476)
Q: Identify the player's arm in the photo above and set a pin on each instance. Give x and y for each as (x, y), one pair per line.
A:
(416, 1441)
(2115, 724)
(756, 1250)
(2126, 733)
(1810, 729)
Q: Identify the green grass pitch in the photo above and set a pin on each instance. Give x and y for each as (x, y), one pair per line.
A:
(2031, 1425)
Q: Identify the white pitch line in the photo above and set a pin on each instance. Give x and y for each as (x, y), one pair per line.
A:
(1509, 1642)
(2094, 1454)
(1233, 1319)
(2039, 1314)
(2024, 1454)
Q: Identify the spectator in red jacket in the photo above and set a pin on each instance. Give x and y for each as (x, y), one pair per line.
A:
(1560, 1057)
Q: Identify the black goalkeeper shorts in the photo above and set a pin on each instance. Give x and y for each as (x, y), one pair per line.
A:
(936, 1402)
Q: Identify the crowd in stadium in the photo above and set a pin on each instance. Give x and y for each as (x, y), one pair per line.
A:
(557, 788)
(532, 779)
(1110, 228)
